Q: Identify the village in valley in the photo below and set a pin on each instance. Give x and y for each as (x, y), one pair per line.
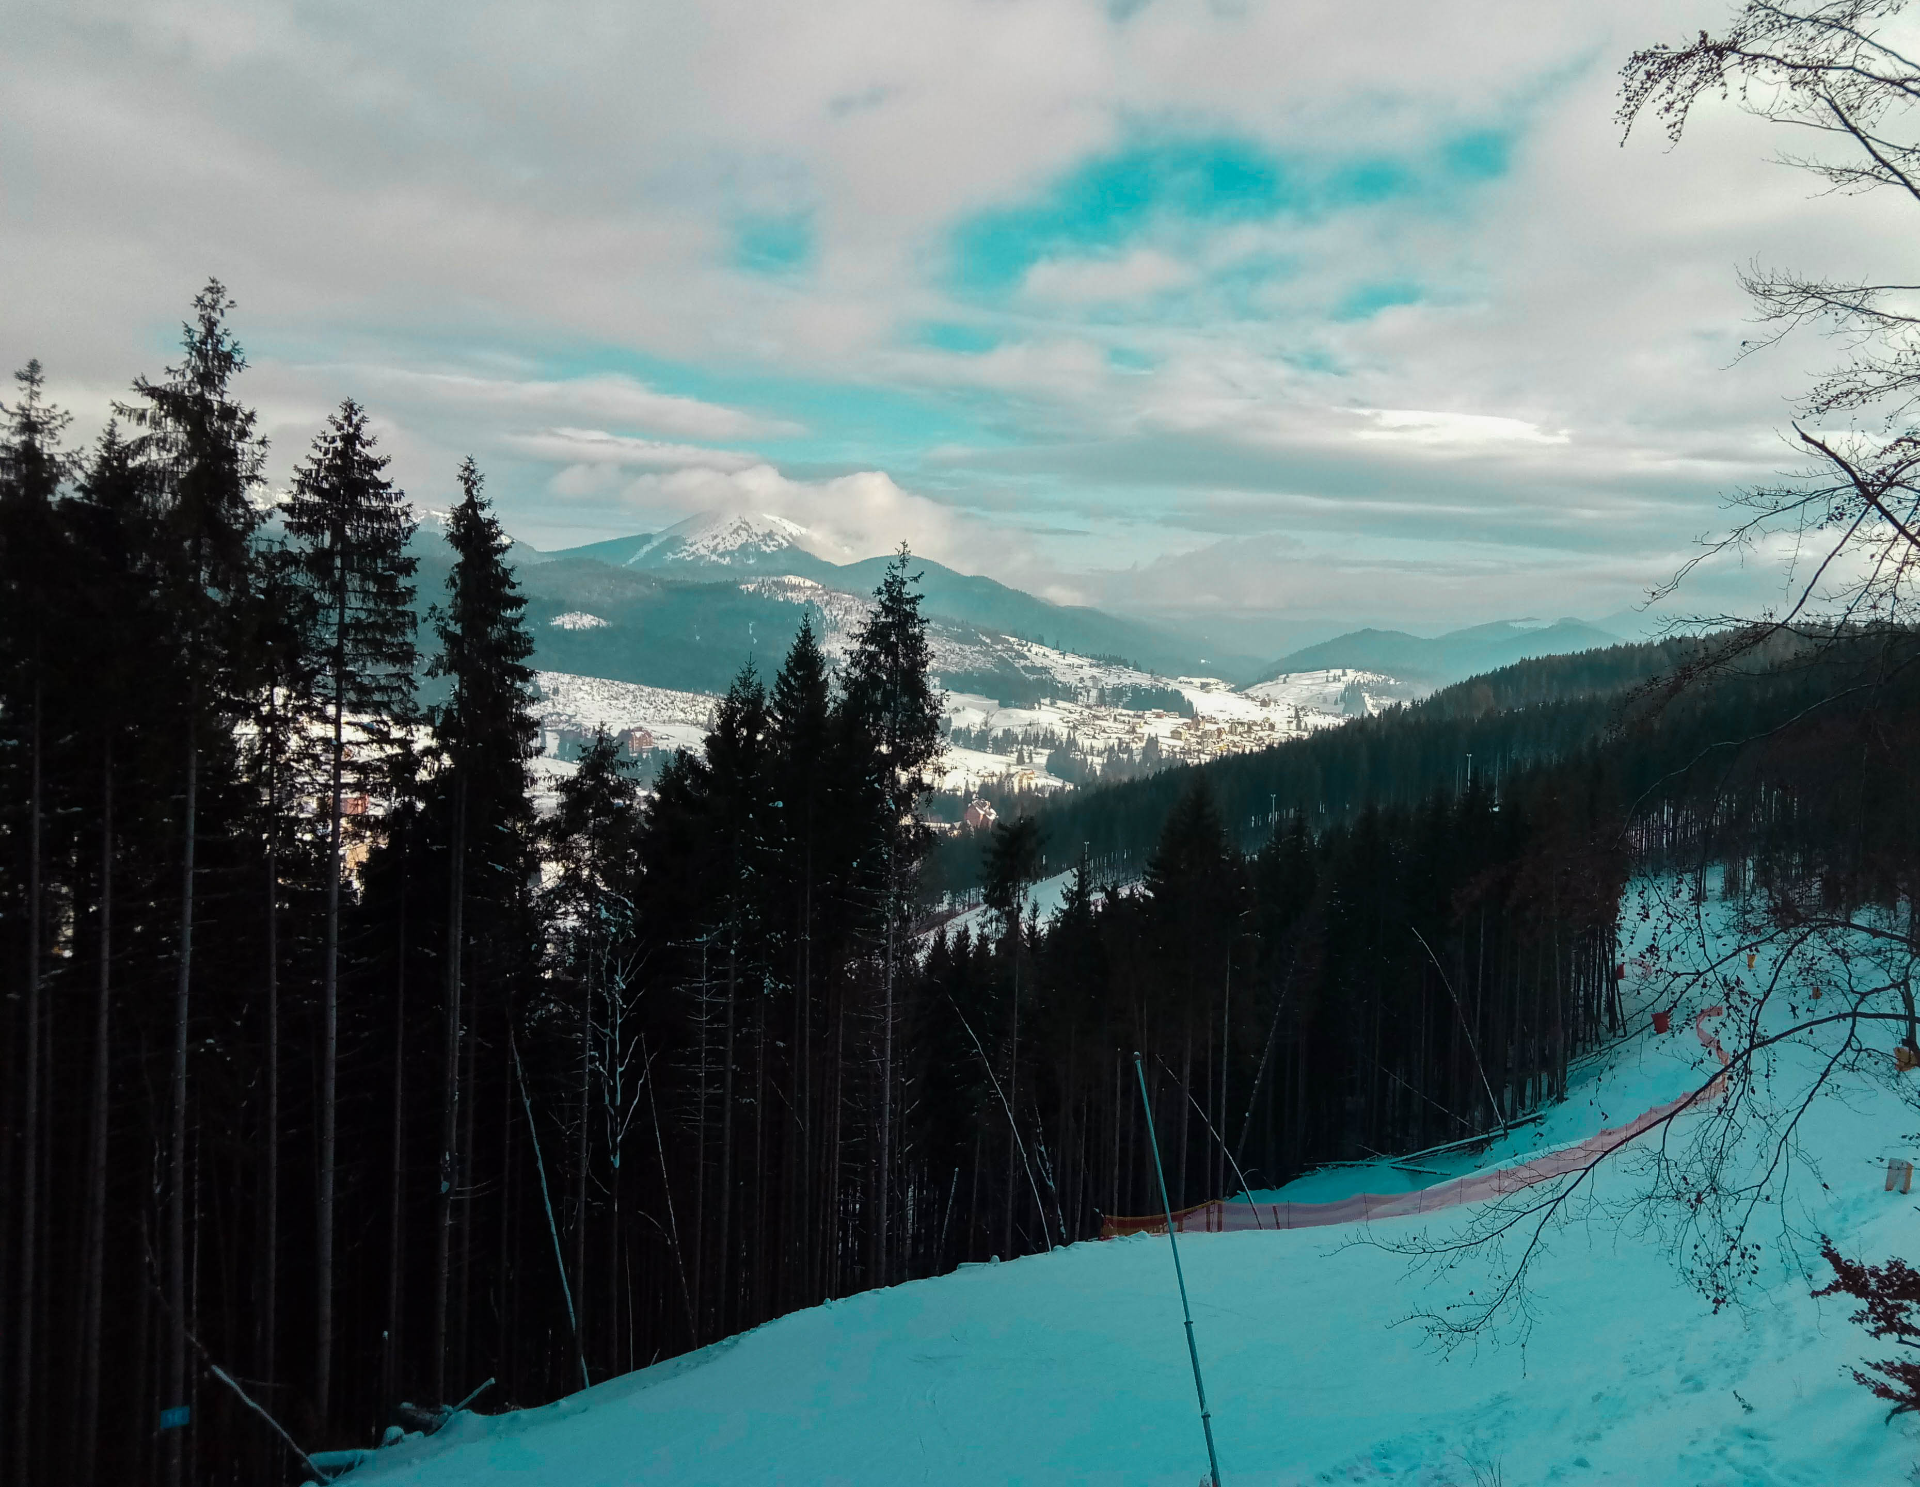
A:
(1089, 727)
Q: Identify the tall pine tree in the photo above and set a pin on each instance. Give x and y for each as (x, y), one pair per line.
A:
(484, 730)
(32, 467)
(349, 528)
(206, 459)
(889, 690)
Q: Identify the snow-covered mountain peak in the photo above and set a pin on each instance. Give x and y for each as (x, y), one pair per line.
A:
(724, 537)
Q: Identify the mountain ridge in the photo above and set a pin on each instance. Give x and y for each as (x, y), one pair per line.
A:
(1446, 658)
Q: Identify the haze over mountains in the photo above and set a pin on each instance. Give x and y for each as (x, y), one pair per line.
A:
(687, 606)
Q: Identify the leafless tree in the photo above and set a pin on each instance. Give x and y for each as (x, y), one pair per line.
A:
(1808, 977)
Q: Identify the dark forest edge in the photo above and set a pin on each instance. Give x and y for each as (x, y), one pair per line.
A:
(330, 1062)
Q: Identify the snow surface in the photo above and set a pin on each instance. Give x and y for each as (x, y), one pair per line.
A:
(677, 720)
(578, 619)
(1045, 897)
(966, 770)
(724, 537)
(1325, 691)
(1070, 1367)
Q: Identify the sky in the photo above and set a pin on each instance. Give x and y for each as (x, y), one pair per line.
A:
(1355, 311)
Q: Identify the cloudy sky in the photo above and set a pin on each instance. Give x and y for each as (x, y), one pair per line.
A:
(1354, 310)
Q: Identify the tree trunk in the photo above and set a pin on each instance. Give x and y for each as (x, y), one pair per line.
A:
(329, 1052)
(24, 1416)
(450, 1099)
(1013, 1084)
(270, 1280)
(396, 1195)
(884, 1183)
(580, 1170)
(723, 1257)
(94, 1282)
(175, 1374)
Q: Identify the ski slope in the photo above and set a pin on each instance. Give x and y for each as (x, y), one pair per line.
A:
(1070, 1367)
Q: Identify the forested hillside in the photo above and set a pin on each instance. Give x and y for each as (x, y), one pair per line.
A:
(339, 1083)
(1485, 728)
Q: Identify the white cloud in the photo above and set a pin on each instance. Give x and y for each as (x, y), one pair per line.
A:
(595, 447)
(610, 397)
(1092, 281)
(847, 516)
(1464, 431)
(436, 210)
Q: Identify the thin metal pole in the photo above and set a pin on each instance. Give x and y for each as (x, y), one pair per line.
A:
(1193, 1352)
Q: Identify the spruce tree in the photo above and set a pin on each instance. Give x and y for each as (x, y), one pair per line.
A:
(349, 530)
(806, 832)
(32, 467)
(484, 731)
(589, 848)
(890, 692)
(206, 458)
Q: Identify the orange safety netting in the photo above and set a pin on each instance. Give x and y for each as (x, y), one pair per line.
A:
(1219, 1216)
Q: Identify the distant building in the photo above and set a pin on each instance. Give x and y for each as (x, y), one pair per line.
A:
(980, 815)
(636, 741)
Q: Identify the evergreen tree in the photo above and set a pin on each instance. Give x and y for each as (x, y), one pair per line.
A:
(485, 732)
(117, 643)
(593, 1002)
(889, 690)
(206, 460)
(32, 467)
(349, 528)
(809, 850)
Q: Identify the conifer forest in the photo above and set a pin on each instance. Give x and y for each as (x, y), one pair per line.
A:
(341, 1085)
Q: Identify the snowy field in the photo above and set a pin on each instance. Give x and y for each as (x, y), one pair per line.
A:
(1070, 1367)
(1045, 897)
(677, 720)
(966, 770)
(1225, 721)
(1325, 691)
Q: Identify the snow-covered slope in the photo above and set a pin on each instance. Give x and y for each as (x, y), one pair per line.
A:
(579, 704)
(723, 539)
(1071, 1367)
(1338, 690)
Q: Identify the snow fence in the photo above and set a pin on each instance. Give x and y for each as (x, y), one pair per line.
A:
(1222, 1216)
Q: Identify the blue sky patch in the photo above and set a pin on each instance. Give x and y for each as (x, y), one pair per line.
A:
(1371, 299)
(773, 245)
(1111, 200)
(947, 335)
(1175, 188)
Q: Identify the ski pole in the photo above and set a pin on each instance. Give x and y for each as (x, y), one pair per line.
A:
(1193, 1352)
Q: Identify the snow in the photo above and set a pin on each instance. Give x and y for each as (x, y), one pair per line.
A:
(1046, 897)
(545, 774)
(840, 613)
(1325, 691)
(1070, 1367)
(578, 619)
(966, 770)
(724, 536)
(677, 720)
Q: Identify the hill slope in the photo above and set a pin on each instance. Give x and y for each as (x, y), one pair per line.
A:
(1070, 1367)
(721, 548)
(1446, 658)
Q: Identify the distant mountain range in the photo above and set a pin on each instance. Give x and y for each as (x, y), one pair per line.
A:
(1446, 658)
(724, 549)
(686, 607)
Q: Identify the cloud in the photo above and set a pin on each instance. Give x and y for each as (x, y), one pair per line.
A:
(1092, 281)
(595, 447)
(847, 516)
(611, 397)
(1453, 430)
(1092, 284)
